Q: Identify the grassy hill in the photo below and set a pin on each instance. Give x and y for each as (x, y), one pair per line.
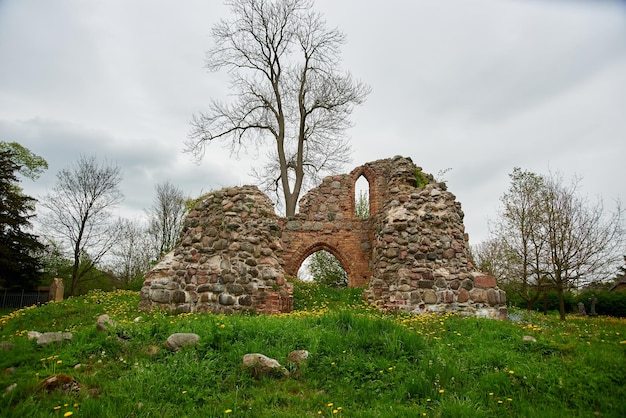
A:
(362, 363)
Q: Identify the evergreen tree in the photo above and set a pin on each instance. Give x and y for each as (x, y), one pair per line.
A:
(19, 264)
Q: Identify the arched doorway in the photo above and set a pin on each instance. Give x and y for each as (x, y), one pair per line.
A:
(302, 254)
(323, 268)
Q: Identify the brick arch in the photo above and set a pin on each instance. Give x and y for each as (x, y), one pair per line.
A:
(304, 251)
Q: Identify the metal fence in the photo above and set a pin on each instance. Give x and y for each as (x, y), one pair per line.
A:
(21, 298)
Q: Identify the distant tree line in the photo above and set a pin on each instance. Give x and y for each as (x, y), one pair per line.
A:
(79, 239)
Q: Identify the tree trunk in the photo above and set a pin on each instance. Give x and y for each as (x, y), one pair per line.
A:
(559, 293)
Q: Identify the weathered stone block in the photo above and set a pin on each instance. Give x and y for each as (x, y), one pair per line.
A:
(160, 295)
(467, 284)
(493, 297)
(179, 296)
(429, 296)
(226, 299)
(478, 295)
(441, 283)
(484, 281)
(235, 289)
(445, 296)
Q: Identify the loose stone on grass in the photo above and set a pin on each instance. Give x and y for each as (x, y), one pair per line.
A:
(260, 365)
(178, 341)
(298, 356)
(49, 337)
(104, 322)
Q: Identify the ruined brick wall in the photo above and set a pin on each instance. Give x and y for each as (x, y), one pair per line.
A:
(412, 253)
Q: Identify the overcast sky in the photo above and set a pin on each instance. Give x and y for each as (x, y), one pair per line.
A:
(477, 86)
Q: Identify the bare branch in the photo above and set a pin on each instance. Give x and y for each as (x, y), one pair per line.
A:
(288, 91)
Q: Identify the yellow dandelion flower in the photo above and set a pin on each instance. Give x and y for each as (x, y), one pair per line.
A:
(228, 411)
(509, 399)
(319, 412)
(68, 414)
(56, 408)
(330, 405)
(511, 372)
(335, 411)
(442, 390)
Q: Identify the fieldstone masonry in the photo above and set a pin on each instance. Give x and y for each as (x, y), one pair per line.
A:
(412, 252)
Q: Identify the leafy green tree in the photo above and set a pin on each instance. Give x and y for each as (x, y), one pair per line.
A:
(29, 165)
(326, 270)
(19, 261)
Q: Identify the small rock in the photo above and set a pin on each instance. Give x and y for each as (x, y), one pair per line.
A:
(59, 381)
(6, 346)
(138, 319)
(53, 337)
(298, 356)
(33, 335)
(78, 366)
(104, 322)
(10, 387)
(179, 340)
(529, 339)
(261, 365)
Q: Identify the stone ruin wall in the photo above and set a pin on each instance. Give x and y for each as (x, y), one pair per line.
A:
(412, 253)
(227, 260)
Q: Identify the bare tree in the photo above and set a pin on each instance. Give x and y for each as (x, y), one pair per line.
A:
(166, 217)
(283, 62)
(582, 243)
(490, 256)
(518, 236)
(79, 213)
(132, 253)
(548, 237)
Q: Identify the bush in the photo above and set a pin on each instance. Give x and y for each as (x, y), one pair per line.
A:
(607, 303)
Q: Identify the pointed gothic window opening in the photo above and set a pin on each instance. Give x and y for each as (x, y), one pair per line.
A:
(362, 198)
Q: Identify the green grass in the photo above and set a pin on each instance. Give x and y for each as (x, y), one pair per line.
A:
(363, 362)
